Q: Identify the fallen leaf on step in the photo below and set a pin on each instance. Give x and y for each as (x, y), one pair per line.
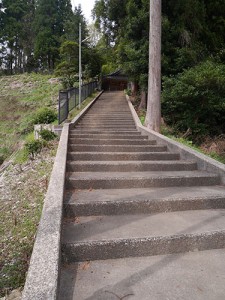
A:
(86, 265)
(77, 220)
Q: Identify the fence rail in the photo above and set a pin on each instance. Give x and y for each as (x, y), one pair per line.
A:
(69, 99)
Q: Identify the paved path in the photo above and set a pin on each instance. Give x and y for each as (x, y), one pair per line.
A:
(139, 222)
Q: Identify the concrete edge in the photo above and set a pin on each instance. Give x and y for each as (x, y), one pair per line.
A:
(85, 110)
(43, 274)
(203, 162)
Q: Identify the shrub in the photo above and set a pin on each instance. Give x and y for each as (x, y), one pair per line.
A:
(4, 153)
(195, 100)
(33, 147)
(45, 116)
(47, 135)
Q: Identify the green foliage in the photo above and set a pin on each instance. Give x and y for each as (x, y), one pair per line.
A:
(4, 153)
(108, 68)
(45, 116)
(49, 26)
(69, 66)
(195, 100)
(33, 147)
(47, 135)
(16, 19)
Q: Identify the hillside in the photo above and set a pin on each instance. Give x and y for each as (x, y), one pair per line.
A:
(20, 98)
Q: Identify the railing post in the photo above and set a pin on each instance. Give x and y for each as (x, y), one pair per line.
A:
(67, 104)
(59, 110)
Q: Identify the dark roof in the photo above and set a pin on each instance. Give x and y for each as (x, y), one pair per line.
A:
(117, 75)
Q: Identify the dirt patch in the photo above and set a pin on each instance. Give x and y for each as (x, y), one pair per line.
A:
(216, 145)
(15, 85)
(54, 80)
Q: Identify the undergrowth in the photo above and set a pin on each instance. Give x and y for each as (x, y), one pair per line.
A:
(169, 132)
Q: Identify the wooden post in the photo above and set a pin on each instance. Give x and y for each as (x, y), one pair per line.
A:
(153, 116)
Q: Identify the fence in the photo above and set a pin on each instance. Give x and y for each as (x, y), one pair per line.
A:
(69, 99)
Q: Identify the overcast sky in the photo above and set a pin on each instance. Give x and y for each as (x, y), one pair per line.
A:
(87, 6)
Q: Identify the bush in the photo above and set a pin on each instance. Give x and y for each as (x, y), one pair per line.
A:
(4, 153)
(33, 147)
(68, 81)
(195, 100)
(45, 116)
(47, 135)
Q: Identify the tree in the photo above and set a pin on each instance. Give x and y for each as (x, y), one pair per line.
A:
(49, 25)
(72, 26)
(153, 115)
(16, 37)
(69, 65)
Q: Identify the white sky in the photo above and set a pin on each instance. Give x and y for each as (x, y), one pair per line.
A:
(86, 5)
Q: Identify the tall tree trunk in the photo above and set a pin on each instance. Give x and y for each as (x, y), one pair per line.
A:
(153, 116)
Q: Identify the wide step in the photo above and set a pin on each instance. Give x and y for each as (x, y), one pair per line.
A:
(116, 148)
(107, 237)
(116, 156)
(99, 141)
(130, 166)
(112, 180)
(146, 201)
(187, 276)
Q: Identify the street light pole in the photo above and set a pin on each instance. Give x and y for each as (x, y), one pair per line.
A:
(80, 65)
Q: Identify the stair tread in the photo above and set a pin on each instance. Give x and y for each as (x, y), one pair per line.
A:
(123, 153)
(139, 175)
(116, 148)
(194, 275)
(137, 162)
(109, 228)
(145, 194)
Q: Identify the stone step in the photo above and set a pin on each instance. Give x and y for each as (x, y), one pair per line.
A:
(130, 166)
(106, 114)
(109, 111)
(186, 276)
(107, 156)
(106, 127)
(116, 148)
(110, 237)
(146, 201)
(104, 123)
(103, 131)
(108, 136)
(97, 141)
(107, 119)
(117, 180)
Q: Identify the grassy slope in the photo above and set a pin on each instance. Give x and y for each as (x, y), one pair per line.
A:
(20, 97)
(167, 131)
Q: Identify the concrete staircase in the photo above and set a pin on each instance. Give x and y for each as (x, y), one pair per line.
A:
(128, 200)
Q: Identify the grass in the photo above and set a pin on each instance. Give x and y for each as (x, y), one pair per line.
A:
(167, 131)
(20, 97)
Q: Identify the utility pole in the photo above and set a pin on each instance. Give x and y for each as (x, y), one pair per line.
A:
(153, 116)
(80, 66)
